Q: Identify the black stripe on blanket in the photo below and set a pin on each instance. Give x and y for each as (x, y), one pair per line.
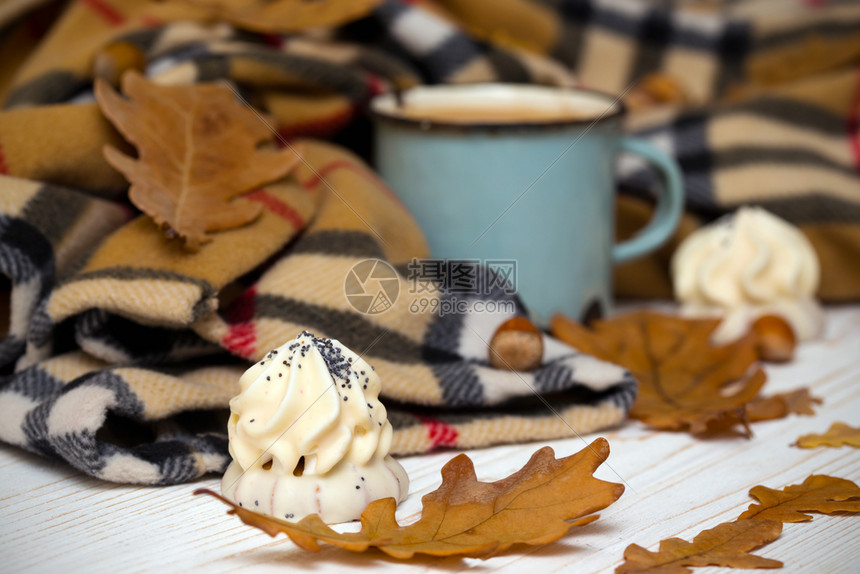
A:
(11, 347)
(212, 67)
(339, 243)
(119, 340)
(48, 88)
(622, 395)
(385, 66)
(461, 386)
(551, 380)
(115, 442)
(792, 113)
(507, 66)
(654, 35)
(449, 56)
(35, 384)
(576, 20)
(349, 82)
(27, 260)
(33, 427)
(68, 436)
(813, 207)
(388, 10)
(740, 156)
(615, 20)
(688, 143)
(354, 330)
(25, 252)
(732, 51)
(53, 211)
(437, 63)
(826, 29)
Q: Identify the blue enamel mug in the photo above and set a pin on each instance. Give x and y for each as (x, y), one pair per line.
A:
(523, 174)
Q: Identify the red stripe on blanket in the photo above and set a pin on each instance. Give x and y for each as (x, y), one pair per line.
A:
(110, 14)
(4, 169)
(317, 128)
(151, 21)
(321, 173)
(241, 337)
(242, 309)
(274, 40)
(439, 433)
(278, 207)
(241, 340)
(853, 125)
(376, 85)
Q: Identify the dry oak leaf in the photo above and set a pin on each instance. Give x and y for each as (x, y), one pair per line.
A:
(839, 434)
(818, 493)
(536, 505)
(286, 16)
(728, 544)
(198, 150)
(781, 405)
(685, 382)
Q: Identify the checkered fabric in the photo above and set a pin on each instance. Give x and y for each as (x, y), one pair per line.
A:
(121, 353)
(127, 358)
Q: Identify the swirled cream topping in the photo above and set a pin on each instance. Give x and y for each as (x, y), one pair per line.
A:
(745, 266)
(308, 435)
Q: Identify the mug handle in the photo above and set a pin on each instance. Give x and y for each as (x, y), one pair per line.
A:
(669, 204)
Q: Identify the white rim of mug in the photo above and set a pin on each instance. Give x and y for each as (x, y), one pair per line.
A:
(385, 107)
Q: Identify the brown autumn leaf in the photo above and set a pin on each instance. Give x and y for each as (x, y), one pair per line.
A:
(286, 16)
(728, 544)
(536, 505)
(818, 493)
(839, 434)
(781, 405)
(685, 382)
(197, 151)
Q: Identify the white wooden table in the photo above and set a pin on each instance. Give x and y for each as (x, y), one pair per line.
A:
(54, 519)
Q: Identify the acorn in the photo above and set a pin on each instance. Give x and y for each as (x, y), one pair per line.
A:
(775, 339)
(112, 61)
(517, 345)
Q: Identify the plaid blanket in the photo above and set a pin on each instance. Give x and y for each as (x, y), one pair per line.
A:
(121, 353)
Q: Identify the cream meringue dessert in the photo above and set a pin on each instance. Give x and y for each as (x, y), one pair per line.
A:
(747, 265)
(308, 435)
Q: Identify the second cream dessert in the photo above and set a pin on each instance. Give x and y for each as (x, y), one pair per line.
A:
(308, 435)
(746, 266)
